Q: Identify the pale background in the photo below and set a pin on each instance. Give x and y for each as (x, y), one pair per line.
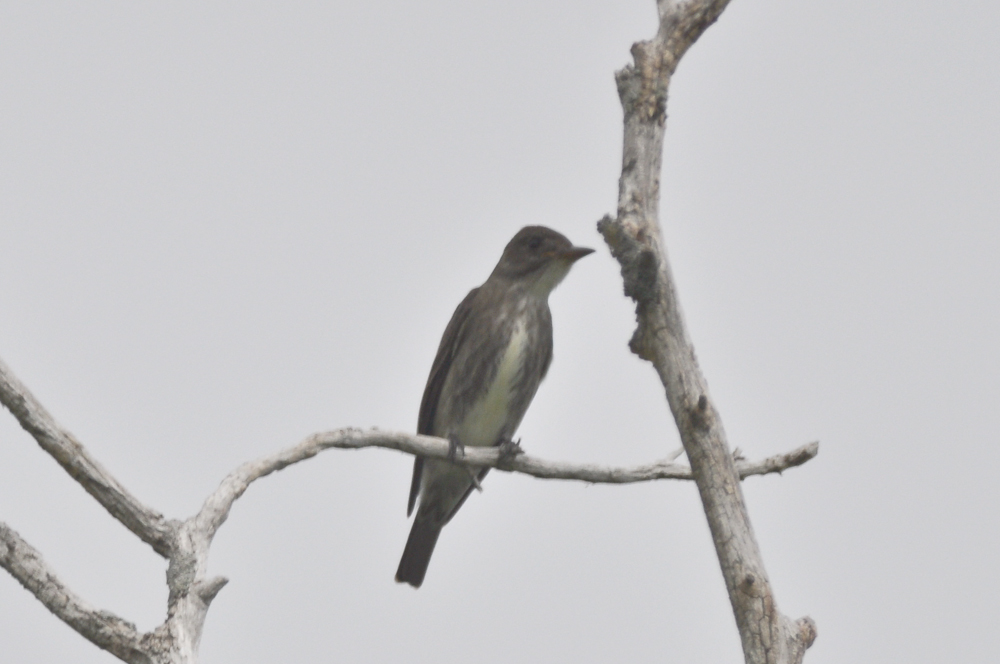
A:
(226, 226)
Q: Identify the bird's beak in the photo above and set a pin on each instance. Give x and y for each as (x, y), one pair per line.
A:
(574, 254)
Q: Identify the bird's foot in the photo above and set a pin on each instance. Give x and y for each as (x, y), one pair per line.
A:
(508, 450)
(455, 448)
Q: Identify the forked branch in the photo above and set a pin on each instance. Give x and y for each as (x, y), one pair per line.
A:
(186, 544)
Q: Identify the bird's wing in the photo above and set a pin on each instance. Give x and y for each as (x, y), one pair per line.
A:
(435, 382)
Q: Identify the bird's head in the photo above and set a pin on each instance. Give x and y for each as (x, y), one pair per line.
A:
(538, 256)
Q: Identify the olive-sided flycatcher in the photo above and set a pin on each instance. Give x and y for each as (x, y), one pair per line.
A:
(493, 355)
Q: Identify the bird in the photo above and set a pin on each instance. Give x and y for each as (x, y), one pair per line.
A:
(493, 355)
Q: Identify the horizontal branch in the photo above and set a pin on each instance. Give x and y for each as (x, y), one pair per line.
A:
(102, 628)
(217, 506)
(148, 524)
(778, 462)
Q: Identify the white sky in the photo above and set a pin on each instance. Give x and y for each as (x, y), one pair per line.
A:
(226, 226)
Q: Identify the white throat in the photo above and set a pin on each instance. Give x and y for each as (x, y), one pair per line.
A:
(554, 273)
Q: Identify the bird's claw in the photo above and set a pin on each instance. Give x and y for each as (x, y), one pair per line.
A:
(508, 450)
(455, 448)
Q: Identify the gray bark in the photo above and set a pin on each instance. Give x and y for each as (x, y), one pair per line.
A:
(661, 336)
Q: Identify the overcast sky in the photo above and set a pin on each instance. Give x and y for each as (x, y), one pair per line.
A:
(225, 226)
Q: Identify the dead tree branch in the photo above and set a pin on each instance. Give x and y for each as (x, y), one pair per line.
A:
(186, 544)
(661, 336)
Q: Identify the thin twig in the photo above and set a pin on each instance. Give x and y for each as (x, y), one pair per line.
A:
(216, 508)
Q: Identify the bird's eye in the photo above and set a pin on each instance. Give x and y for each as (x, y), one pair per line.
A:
(534, 242)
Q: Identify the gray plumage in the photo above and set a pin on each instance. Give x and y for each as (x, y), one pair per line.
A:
(494, 354)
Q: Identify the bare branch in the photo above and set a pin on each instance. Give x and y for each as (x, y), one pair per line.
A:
(661, 336)
(216, 508)
(148, 524)
(779, 462)
(102, 628)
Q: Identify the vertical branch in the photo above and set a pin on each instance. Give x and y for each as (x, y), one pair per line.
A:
(661, 336)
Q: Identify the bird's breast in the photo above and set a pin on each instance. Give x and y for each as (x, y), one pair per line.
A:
(493, 412)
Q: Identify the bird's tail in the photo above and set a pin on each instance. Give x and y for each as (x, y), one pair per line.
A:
(417, 554)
